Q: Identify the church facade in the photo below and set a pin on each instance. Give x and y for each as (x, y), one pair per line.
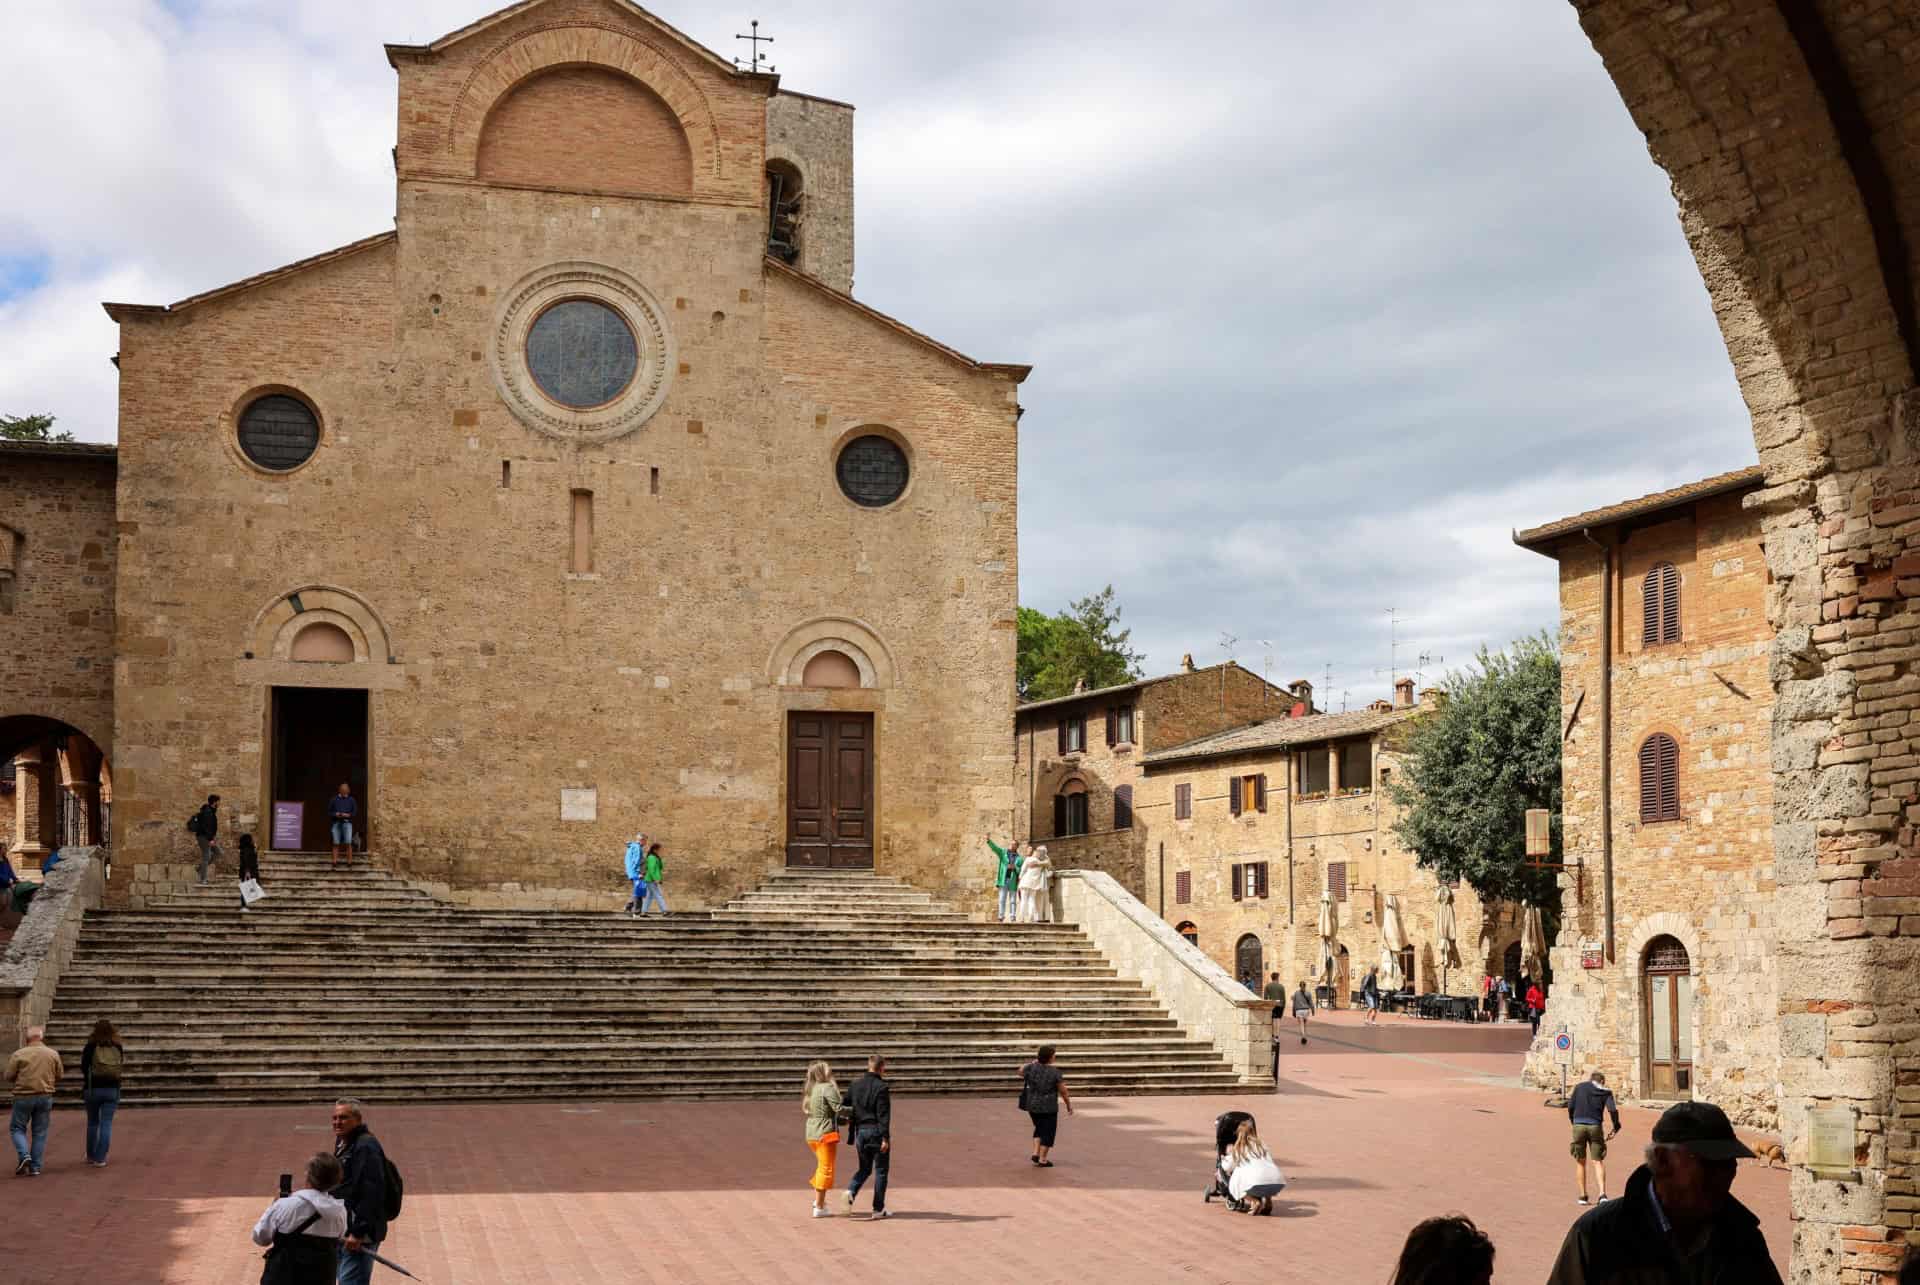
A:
(586, 501)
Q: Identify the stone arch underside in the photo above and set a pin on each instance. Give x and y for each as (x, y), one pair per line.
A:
(276, 625)
(607, 48)
(786, 666)
(1780, 125)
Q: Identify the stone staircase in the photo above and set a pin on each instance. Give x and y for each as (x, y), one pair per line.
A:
(360, 983)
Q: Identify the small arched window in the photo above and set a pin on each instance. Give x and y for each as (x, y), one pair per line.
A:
(1070, 809)
(1187, 929)
(1660, 606)
(1123, 807)
(1659, 778)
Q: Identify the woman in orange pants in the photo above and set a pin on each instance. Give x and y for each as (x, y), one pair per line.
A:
(821, 1100)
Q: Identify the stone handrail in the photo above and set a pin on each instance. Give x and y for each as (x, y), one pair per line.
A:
(42, 945)
(1202, 996)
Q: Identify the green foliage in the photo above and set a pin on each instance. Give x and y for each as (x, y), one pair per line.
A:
(1471, 770)
(1084, 642)
(30, 428)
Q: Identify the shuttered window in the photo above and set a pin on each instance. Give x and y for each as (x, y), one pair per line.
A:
(1256, 878)
(1123, 807)
(1182, 802)
(1124, 730)
(1073, 734)
(1659, 778)
(1233, 795)
(1247, 793)
(1337, 879)
(1660, 606)
(1239, 881)
(1183, 887)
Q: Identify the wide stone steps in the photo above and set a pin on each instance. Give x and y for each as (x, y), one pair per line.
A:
(357, 982)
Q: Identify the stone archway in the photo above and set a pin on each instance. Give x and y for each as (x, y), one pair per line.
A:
(1782, 127)
(56, 789)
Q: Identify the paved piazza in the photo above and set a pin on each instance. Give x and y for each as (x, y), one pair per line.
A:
(1375, 1130)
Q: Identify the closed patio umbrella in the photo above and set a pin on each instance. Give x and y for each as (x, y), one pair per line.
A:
(1535, 936)
(1329, 928)
(1444, 928)
(1393, 940)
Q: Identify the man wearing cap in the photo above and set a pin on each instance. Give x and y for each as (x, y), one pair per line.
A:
(1677, 1223)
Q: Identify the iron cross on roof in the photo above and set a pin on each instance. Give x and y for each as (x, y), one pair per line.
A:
(755, 40)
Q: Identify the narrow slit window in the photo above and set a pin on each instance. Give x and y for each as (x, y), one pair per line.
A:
(653, 481)
(506, 474)
(582, 562)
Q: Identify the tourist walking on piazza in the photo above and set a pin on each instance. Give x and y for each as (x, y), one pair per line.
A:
(1303, 1007)
(1445, 1251)
(1590, 1100)
(341, 811)
(203, 826)
(101, 1063)
(32, 1072)
(1006, 878)
(303, 1229)
(634, 863)
(652, 872)
(362, 1187)
(1253, 1179)
(1370, 996)
(871, 1099)
(1536, 1005)
(1677, 1219)
(1034, 876)
(1501, 991)
(1043, 1090)
(820, 1099)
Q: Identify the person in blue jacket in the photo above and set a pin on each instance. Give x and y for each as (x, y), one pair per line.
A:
(636, 857)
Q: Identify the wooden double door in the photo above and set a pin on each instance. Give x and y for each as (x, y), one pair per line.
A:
(830, 790)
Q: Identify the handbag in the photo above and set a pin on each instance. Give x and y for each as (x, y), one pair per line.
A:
(251, 891)
(1023, 1088)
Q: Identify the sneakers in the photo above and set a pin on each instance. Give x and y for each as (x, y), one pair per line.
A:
(1581, 1201)
(846, 1202)
(34, 1172)
(882, 1213)
(1602, 1200)
(820, 1211)
(98, 1164)
(25, 1164)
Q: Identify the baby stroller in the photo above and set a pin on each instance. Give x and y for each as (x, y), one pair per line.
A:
(1225, 1129)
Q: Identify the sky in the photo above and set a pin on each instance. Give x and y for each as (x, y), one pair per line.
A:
(1322, 301)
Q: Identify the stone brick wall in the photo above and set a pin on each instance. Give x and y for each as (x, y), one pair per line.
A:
(437, 524)
(1707, 879)
(815, 136)
(584, 128)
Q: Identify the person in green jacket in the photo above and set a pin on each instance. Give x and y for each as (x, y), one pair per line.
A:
(651, 872)
(1006, 877)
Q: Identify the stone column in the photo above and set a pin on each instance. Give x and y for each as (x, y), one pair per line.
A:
(30, 810)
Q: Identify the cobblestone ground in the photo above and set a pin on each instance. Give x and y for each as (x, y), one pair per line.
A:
(1375, 1129)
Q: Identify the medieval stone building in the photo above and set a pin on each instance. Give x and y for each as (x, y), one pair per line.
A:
(1665, 964)
(585, 501)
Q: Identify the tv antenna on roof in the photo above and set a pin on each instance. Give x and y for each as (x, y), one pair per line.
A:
(755, 40)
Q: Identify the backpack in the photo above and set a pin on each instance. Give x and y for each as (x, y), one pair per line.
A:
(395, 1188)
(193, 823)
(108, 1062)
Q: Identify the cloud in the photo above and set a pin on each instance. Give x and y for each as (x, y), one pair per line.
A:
(1323, 301)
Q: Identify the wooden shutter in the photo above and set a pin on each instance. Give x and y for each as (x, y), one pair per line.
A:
(1669, 604)
(1233, 794)
(1182, 802)
(1123, 807)
(1062, 729)
(1659, 778)
(1260, 795)
(1113, 724)
(1260, 878)
(1337, 879)
(1239, 881)
(1183, 887)
(1059, 814)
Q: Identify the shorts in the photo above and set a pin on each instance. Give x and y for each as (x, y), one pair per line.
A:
(343, 832)
(1373, 1001)
(1589, 1139)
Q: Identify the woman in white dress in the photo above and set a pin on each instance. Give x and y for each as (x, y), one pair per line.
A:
(1034, 875)
(1252, 1176)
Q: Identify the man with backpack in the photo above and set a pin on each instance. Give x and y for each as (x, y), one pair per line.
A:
(370, 1189)
(203, 825)
(635, 863)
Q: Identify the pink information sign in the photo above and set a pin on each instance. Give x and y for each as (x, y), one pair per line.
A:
(287, 819)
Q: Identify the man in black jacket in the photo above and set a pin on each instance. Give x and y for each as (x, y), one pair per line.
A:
(871, 1099)
(364, 1189)
(206, 824)
(1677, 1223)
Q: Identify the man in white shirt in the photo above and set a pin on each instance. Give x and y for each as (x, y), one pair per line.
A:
(305, 1228)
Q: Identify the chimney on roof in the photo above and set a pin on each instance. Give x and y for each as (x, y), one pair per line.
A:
(1303, 692)
(1433, 698)
(1380, 707)
(1186, 663)
(1403, 693)
(1079, 684)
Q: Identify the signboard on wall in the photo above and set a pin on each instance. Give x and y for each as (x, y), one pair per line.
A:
(1830, 1138)
(1593, 954)
(1539, 833)
(287, 818)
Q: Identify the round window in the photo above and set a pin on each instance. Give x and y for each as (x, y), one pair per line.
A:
(279, 432)
(873, 471)
(582, 353)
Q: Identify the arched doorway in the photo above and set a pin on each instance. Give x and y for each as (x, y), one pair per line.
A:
(1666, 1022)
(1247, 960)
(1186, 928)
(1510, 967)
(1408, 982)
(56, 789)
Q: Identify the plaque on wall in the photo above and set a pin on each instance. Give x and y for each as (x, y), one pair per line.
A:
(287, 818)
(1593, 954)
(1830, 1140)
(580, 805)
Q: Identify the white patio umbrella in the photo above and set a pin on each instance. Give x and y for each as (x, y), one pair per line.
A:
(1445, 928)
(1393, 940)
(1329, 929)
(1535, 935)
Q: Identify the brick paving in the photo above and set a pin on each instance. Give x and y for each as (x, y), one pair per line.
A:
(1375, 1128)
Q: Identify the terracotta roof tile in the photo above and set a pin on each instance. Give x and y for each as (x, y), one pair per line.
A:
(1279, 733)
(1738, 480)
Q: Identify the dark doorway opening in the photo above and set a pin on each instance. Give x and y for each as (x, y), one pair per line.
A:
(319, 740)
(1247, 959)
(830, 790)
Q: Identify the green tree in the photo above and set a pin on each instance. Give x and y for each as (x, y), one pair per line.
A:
(1084, 643)
(1471, 771)
(30, 428)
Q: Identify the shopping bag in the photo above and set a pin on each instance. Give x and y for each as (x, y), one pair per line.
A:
(251, 891)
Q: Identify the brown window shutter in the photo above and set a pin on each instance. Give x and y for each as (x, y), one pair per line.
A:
(1260, 795)
(1649, 780)
(1123, 808)
(1233, 794)
(1260, 879)
(1113, 724)
(1183, 887)
(1239, 881)
(1669, 779)
(1659, 778)
(1063, 734)
(1650, 609)
(1337, 879)
(1669, 603)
